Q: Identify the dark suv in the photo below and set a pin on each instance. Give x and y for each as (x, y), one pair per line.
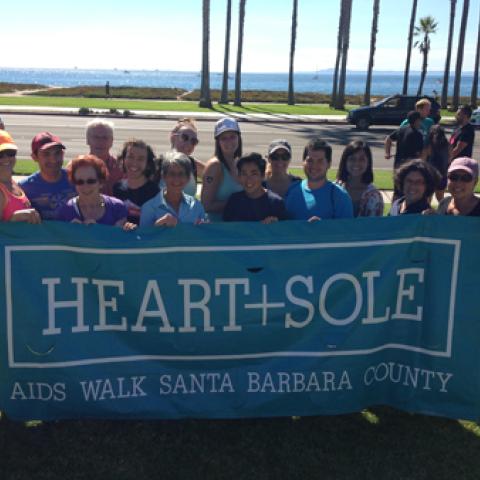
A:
(389, 111)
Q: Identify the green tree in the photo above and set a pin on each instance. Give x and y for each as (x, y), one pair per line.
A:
(341, 21)
(340, 103)
(224, 95)
(205, 99)
(460, 49)
(238, 74)
(473, 97)
(409, 47)
(446, 73)
(373, 43)
(291, 94)
(426, 27)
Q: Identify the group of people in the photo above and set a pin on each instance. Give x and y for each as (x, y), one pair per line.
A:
(139, 189)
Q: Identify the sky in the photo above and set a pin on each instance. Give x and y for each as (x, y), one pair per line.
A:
(167, 35)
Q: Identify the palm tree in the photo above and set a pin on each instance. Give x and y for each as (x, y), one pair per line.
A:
(409, 47)
(446, 73)
(427, 27)
(373, 43)
(473, 97)
(340, 103)
(205, 100)
(224, 95)
(238, 74)
(291, 95)
(333, 100)
(461, 46)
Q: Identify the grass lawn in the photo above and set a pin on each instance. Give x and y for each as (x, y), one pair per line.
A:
(181, 106)
(381, 443)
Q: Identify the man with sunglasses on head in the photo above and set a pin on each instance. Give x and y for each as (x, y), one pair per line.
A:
(48, 189)
(316, 198)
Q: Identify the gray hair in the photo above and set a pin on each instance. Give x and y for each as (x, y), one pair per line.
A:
(99, 122)
(175, 158)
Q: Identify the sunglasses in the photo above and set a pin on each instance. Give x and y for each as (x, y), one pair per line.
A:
(460, 177)
(280, 156)
(8, 153)
(187, 138)
(88, 181)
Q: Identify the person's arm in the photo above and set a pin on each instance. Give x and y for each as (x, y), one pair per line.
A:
(29, 215)
(212, 179)
(455, 151)
(200, 168)
(388, 147)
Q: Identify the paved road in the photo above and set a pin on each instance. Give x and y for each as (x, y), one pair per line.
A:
(256, 136)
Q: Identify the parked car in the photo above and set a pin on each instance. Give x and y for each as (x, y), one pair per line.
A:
(475, 120)
(389, 111)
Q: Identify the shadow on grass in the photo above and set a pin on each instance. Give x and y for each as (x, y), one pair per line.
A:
(381, 443)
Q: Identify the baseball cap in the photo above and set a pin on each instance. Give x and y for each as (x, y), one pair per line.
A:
(45, 140)
(226, 124)
(464, 163)
(6, 141)
(279, 145)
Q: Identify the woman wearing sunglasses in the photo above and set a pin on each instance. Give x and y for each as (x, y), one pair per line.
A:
(462, 178)
(14, 204)
(184, 139)
(278, 180)
(88, 173)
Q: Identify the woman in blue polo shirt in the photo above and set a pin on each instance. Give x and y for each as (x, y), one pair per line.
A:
(172, 205)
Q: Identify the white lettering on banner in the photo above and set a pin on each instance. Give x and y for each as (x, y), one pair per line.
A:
(406, 376)
(107, 389)
(205, 304)
(39, 391)
(297, 382)
(211, 382)
(409, 293)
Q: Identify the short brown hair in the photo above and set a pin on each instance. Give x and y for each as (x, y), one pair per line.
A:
(87, 161)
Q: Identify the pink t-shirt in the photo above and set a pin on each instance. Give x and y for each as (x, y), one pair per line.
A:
(12, 202)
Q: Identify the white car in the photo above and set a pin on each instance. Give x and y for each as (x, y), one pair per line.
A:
(475, 120)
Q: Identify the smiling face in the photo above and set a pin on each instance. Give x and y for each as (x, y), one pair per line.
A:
(86, 182)
(461, 184)
(135, 162)
(50, 161)
(184, 140)
(175, 179)
(357, 164)
(251, 179)
(279, 161)
(100, 140)
(414, 187)
(316, 166)
(7, 162)
(229, 143)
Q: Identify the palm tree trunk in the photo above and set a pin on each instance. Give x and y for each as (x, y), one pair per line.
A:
(424, 66)
(205, 100)
(461, 46)
(373, 44)
(340, 103)
(409, 48)
(473, 97)
(224, 95)
(238, 74)
(446, 73)
(291, 95)
(341, 20)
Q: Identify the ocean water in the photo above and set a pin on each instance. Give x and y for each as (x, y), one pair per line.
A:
(383, 83)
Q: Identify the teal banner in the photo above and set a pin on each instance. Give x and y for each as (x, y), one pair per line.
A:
(240, 320)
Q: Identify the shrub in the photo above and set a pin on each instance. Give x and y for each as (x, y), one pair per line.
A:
(84, 111)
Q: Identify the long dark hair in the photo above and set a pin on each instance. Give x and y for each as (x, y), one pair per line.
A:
(437, 138)
(351, 149)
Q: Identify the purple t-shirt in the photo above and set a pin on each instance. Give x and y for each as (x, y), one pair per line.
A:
(115, 210)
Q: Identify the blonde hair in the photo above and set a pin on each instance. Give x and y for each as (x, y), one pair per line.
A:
(424, 102)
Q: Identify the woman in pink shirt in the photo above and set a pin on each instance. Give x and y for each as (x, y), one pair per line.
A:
(14, 204)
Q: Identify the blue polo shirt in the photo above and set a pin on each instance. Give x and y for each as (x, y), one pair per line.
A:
(328, 201)
(191, 210)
